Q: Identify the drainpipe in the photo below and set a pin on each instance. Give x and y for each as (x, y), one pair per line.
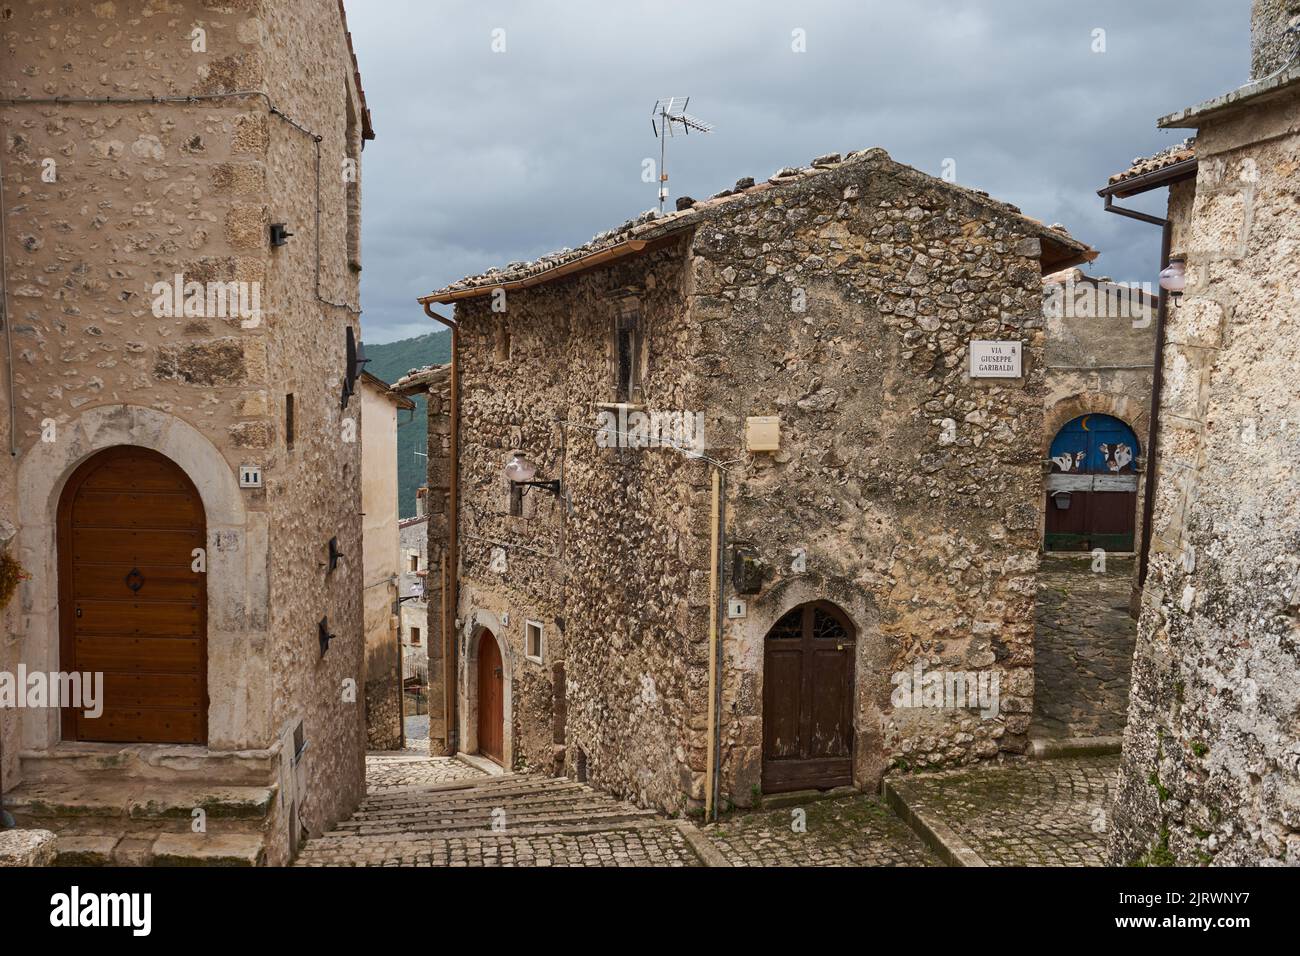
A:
(1157, 385)
(452, 560)
(710, 771)
(6, 317)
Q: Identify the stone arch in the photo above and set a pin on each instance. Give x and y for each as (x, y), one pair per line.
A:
(239, 700)
(481, 623)
(1131, 412)
(744, 640)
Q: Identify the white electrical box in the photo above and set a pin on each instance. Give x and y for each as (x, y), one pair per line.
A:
(250, 476)
(763, 433)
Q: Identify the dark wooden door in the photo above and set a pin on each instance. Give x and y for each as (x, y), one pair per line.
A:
(491, 699)
(131, 604)
(808, 700)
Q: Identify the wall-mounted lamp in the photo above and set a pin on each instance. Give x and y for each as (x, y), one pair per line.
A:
(1173, 278)
(280, 234)
(323, 635)
(522, 474)
(334, 554)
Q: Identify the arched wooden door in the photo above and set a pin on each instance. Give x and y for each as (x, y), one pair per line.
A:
(131, 604)
(808, 676)
(491, 698)
(1092, 488)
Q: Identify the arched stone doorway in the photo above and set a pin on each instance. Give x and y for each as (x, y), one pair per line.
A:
(808, 699)
(132, 540)
(1092, 486)
(239, 694)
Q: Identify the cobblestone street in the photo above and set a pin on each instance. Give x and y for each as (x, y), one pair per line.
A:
(1038, 813)
(849, 831)
(1083, 651)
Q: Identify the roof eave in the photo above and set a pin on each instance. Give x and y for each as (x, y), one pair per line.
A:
(1145, 182)
(592, 260)
(1249, 95)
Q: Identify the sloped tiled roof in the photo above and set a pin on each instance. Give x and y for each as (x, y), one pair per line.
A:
(1170, 156)
(367, 126)
(635, 234)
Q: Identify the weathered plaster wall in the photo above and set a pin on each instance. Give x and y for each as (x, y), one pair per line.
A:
(382, 566)
(912, 488)
(1211, 769)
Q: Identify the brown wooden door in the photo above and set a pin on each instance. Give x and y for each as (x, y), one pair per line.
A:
(491, 699)
(808, 700)
(131, 604)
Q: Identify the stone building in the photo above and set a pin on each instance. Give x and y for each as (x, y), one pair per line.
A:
(382, 561)
(796, 356)
(1211, 763)
(436, 612)
(414, 582)
(181, 201)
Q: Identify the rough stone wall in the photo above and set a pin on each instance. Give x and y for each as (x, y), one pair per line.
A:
(438, 584)
(913, 489)
(605, 571)
(1211, 769)
(1271, 47)
(382, 568)
(144, 192)
(315, 493)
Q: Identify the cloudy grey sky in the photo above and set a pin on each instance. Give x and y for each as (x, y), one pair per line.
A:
(486, 157)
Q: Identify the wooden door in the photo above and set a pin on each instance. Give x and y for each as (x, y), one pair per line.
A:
(808, 700)
(1092, 487)
(491, 698)
(131, 605)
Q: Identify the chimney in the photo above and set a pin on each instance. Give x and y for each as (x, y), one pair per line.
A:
(1271, 46)
(421, 501)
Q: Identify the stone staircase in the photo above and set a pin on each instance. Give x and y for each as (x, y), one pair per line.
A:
(128, 808)
(511, 805)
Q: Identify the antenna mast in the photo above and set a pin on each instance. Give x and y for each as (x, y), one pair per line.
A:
(669, 114)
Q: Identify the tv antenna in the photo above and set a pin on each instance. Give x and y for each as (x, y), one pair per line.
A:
(668, 115)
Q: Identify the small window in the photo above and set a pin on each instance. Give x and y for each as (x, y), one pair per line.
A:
(415, 635)
(627, 348)
(415, 562)
(288, 421)
(533, 641)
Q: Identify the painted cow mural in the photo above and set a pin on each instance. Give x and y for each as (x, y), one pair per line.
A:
(1092, 486)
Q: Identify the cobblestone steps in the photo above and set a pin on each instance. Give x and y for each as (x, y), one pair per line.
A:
(510, 819)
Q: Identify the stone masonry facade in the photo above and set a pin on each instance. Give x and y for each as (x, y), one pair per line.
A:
(840, 298)
(1211, 764)
(105, 200)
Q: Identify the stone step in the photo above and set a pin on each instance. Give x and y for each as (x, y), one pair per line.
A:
(481, 823)
(568, 802)
(143, 763)
(332, 841)
(162, 849)
(465, 797)
(120, 807)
